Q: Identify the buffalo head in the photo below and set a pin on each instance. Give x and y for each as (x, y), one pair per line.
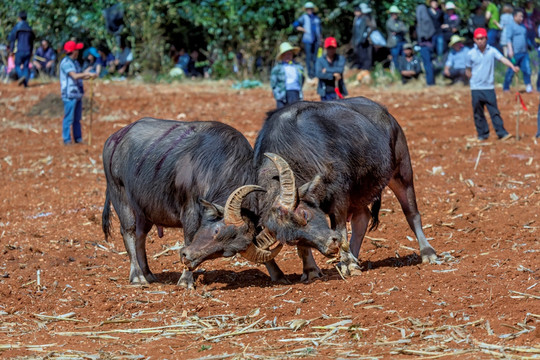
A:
(228, 231)
(296, 217)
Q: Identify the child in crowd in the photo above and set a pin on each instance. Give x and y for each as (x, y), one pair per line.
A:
(287, 76)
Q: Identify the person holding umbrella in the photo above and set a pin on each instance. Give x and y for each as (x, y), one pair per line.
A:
(329, 69)
(287, 76)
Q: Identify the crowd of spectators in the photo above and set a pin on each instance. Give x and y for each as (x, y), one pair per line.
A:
(436, 44)
(22, 60)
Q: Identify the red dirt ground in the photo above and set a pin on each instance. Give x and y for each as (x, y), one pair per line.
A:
(480, 209)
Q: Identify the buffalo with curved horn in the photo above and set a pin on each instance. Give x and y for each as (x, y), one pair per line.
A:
(343, 154)
(179, 174)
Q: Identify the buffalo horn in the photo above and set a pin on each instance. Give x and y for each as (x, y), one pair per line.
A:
(287, 192)
(264, 240)
(232, 214)
(258, 255)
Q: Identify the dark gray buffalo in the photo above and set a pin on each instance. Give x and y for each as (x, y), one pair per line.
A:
(342, 154)
(325, 163)
(184, 175)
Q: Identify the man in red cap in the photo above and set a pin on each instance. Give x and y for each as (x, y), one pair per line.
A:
(71, 86)
(329, 70)
(479, 69)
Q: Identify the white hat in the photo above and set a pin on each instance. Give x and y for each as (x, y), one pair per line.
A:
(450, 5)
(364, 8)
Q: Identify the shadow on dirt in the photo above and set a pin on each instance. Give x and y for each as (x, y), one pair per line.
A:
(257, 278)
(232, 279)
(52, 106)
(396, 262)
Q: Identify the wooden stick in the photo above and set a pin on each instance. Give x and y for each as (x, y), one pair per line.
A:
(477, 159)
(91, 112)
(518, 111)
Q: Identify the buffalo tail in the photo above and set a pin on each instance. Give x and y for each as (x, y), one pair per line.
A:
(106, 216)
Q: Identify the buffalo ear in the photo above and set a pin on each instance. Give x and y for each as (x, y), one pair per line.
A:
(211, 211)
(313, 191)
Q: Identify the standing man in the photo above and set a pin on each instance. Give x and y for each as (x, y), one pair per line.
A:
(425, 29)
(516, 34)
(480, 70)
(396, 30)
(21, 40)
(310, 25)
(329, 69)
(71, 85)
(492, 19)
(362, 28)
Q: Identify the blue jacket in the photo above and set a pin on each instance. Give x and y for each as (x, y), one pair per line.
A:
(312, 27)
(326, 80)
(21, 38)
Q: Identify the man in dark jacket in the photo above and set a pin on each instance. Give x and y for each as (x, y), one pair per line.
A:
(21, 40)
(362, 27)
(424, 32)
(329, 69)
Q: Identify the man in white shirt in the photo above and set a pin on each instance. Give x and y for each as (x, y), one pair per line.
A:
(480, 70)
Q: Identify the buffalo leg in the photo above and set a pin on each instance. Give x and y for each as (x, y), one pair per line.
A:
(128, 230)
(359, 224)
(134, 240)
(310, 269)
(140, 245)
(275, 272)
(137, 275)
(348, 263)
(405, 194)
(186, 280)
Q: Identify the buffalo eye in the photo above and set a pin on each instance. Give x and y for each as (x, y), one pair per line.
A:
(216, 231)
(305, 215)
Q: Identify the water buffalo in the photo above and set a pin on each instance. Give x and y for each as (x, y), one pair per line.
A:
(342, 154)
(184, 175)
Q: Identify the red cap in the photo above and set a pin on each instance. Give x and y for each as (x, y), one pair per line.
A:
(71, 46)
(330, 41)
(480, 32)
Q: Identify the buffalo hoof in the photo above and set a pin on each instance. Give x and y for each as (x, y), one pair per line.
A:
(311, 274)
(186, 280)
(351, 269)
(151, 278)
(137, 278)
(282, 280)
(428, 255)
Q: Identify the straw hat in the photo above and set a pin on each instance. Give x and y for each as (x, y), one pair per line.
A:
(284, 47)
(455, 39)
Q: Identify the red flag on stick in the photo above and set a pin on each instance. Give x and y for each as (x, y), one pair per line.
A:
(518, 97)
(336, 89)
